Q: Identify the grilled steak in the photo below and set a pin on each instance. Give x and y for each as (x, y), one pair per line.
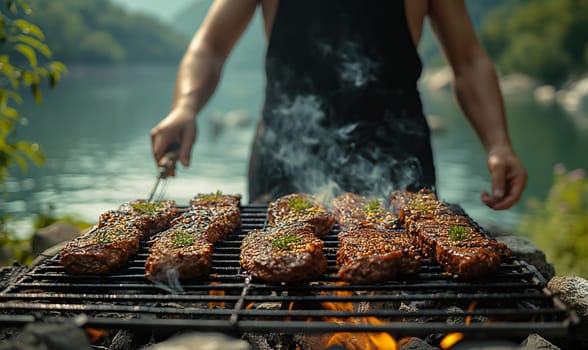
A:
(369, 255)
(102, 249)
(216, 199)
(215, 223)
(180, 253)
(446, 233)
(300, 208)
(185, 250)
(351, 209)
(286, 253)
(150, 217)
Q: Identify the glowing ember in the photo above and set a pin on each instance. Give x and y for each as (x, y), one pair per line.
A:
(214, 292)
(359, 341)
(450, 340)
(96, 334)
(453, 338)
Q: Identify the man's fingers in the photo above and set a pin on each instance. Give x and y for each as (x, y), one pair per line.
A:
(498, 172)
(186, 148)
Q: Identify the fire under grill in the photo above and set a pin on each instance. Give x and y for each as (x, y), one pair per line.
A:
(513, 303)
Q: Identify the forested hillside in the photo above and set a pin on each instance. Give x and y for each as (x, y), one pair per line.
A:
(99, 32)
(542, 38)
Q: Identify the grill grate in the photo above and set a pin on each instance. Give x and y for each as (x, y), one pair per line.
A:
(513, 303)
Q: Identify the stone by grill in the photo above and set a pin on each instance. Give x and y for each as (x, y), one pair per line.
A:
(512, 304)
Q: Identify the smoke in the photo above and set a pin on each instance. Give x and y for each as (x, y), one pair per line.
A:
(170, 283)
(355, 66)
(325, 160)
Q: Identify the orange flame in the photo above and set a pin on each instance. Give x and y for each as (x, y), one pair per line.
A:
(453, 338)
(96, 334)
(360, 341)
(214, 292)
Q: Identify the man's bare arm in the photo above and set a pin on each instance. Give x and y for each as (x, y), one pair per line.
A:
(479, 96)
(199, 73)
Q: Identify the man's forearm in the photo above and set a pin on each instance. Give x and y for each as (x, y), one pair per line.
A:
(479, 96)
(197, 78)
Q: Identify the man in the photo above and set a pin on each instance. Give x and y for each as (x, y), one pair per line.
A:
(341, 106)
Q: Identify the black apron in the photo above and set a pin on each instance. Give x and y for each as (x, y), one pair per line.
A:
(342, 111)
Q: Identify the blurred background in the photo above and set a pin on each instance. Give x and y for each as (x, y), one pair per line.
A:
(82, 147)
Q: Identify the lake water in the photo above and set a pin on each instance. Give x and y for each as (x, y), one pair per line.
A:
(94, 130)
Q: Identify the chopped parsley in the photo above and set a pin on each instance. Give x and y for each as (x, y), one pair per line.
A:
(212, 197)
(300, 204)
(182, 240)
(103, 236)
(458, 233)
(284, 242)
(372, 207)
(421, 206)
(146, 207)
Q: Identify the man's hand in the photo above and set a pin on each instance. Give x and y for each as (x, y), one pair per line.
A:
(508, 178)
(179, 127)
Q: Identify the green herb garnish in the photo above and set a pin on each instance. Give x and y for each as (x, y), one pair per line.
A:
(182, 240)
(421, 206)
(285, 241)
(458, 233)
(372, 207)
(103, 236)
(146, 207)
(212, 197)
(300, 204)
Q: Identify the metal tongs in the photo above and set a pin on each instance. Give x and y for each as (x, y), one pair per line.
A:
(163, 169)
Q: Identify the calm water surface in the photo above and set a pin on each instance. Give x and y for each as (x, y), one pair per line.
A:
(94, 130)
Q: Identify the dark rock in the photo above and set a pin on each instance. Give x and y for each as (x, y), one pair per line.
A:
(51, 235)
(573, 291)
(49, 336)
(414, 343)
(527, 251)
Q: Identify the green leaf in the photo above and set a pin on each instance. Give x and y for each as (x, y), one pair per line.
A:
(29, 28)
(28, 52)
(9, 112)
(35, 44)
(36, 90)
(58, 67)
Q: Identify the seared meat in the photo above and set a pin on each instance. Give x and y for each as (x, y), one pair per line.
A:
(215, 223)
(300, 208)
(180, 253)
(216, 199)
(286, 253)
(102, 249)
(369, 255)
(185, 250)
(351, 209)
(150, 217)
(446, 233)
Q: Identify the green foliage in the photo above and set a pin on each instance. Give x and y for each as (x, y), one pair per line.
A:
(11, 248)
(24, 63)
(542, 38)
(47, 216)
(559, 224)
(97, 31)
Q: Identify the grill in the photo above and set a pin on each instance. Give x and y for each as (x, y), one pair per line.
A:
(513, 303)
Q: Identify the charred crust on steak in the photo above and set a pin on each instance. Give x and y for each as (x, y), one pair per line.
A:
(300, 208)
(351, 209)
(151, 217)
(101, 250)
(302, 260)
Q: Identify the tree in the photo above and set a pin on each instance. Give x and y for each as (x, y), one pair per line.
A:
(24, 63)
